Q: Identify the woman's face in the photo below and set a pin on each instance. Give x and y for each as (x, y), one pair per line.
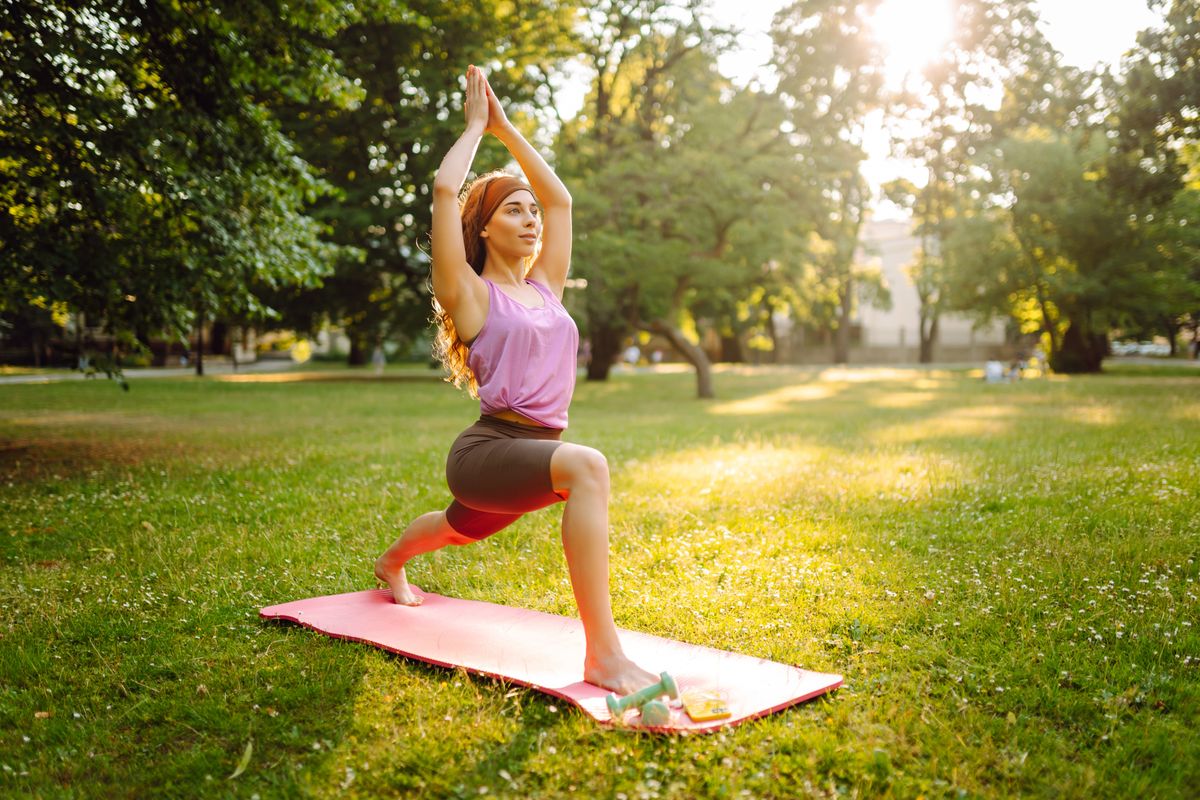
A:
(516, 225)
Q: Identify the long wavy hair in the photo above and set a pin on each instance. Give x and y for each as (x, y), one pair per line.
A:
(447, 346)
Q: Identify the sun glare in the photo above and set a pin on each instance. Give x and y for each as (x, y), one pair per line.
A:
(912, 33)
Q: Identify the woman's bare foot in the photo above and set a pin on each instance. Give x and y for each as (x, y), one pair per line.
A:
(617, 674)
(398, 582)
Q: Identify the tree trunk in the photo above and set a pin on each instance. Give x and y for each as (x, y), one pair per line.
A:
(1049, 324)
(693, 353)
(200, 342)
(928, 336)
(219, 336)
(731, 349)
(606, 344)
(358, 349)
(1172, 330)
(773, 329)
(1081, 350)
(841, 338)
(79, 340)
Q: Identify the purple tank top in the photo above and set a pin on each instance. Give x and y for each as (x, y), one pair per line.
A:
(524, 358)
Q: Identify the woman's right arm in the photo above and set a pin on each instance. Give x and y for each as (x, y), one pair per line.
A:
(453, 277)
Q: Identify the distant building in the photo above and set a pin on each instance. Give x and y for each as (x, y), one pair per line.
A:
(877, 335)
(895, 334)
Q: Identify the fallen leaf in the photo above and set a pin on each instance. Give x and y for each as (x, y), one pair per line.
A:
(245, 762)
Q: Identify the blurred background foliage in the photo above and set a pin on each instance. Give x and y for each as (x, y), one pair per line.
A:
(164, 163)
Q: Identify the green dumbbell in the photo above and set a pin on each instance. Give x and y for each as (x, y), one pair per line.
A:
(656, 713)
(666, 686)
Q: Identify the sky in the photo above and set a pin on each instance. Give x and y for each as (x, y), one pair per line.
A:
(1079, 29)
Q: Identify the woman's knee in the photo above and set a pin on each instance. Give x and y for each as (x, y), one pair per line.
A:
(575, 465)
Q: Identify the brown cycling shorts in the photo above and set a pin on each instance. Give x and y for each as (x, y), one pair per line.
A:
(498, 470)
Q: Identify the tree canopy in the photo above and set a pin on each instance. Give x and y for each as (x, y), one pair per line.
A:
(1050, 206)
(146, 183)
(163, 163)
(381, 151)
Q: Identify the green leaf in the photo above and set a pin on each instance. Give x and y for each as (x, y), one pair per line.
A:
(245, 762)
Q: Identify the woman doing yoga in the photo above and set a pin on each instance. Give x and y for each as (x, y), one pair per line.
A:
(504, 332)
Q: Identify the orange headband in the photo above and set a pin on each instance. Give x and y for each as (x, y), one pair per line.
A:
(495, 193)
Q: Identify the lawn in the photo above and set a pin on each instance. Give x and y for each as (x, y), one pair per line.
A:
(1005, 575)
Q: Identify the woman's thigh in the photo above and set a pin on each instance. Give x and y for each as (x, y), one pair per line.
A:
(504, 475)
(574, 464)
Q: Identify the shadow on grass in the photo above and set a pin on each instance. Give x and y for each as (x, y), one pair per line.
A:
(33, 460)
(440, 731)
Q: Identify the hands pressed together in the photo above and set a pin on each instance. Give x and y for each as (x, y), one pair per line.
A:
(482, 108)
(485, 115)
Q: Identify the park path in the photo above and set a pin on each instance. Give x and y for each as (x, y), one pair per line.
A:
(281, 366)
(210, 368)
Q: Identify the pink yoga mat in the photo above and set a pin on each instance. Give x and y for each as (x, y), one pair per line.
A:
(545, 652)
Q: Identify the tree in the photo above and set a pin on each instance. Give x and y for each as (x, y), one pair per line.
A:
(700, 199)
(830, 78)
(1073, 221)
(735, 187)
(927, 270)
(1064, 257)
(147, 185)
(382, 151)
(995, 49)
(1155, 164)
(651, 60)
(697, 202)
(1035, 176)
(1172, 251)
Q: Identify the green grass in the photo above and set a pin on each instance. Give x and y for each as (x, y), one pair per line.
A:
(1005, 575)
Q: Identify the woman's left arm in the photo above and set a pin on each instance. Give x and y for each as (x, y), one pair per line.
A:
(554, 261)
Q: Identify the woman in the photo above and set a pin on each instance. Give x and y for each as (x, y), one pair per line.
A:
(504, 332)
